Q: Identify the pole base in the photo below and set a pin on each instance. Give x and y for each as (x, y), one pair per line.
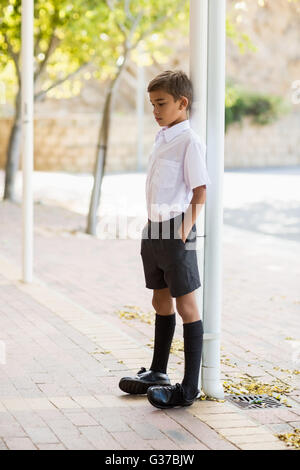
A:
(211, 385)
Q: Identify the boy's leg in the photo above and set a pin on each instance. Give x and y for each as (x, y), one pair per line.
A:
(193, 341)
(185, 393)
(165, 322)
(164, 331)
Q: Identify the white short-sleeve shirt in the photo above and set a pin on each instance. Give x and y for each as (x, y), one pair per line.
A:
(176, 166)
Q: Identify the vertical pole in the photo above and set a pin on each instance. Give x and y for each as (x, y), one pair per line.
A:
(198, 75)
(212, 305)
(140, 111)
(27, 136)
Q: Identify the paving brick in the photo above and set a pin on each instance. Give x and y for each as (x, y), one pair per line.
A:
(162, 444)
(11, 430)
(200, 446)
(129, 440)
(280, 428)
(64, 402)
(19, 443)
(265, 416)
(147, 431)
(2, 445)
(243, 431)
(221, 416)
(82, 419)
(29, 420)
(39, 404)
(6, 418)
(295, 424)
(51, 447)
(181, 436)
(200, 430)
(63, 425)
(15, 404)
(286, 415)
(87, 401)
(100, 438)
(121, 400)
(224, 423)
(258, 438)
(51, 390)
(76, 443)
(41, 435)
(112, 420)
(263, 446)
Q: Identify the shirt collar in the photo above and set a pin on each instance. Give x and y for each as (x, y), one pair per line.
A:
(170, 132)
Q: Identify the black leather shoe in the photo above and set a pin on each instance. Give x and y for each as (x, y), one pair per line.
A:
(142, 381)
(168, 397)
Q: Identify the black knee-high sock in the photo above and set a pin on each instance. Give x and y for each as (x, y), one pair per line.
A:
(164, 331)
(193, 339)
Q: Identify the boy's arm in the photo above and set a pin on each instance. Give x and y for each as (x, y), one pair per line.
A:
(192, 211)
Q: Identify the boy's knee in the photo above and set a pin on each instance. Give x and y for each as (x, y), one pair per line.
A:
(162, 305)
(187, 309)
(186, 314)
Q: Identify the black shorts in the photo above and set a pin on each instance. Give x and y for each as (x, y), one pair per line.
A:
(167, 260)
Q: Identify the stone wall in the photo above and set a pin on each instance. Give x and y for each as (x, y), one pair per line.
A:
(68, 143)
(276, 144)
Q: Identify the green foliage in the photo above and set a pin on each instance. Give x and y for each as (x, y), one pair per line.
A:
(262, 108)
(239, 38)
(68, 35)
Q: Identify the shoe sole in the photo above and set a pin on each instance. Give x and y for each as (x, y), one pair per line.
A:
(136, 387)
(165, 407)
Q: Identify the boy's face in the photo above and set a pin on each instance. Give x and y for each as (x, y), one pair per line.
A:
(166, 110)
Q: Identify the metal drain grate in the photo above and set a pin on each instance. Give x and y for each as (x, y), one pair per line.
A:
(254, 401)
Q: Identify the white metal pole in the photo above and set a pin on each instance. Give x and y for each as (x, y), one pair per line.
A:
(140, 112)
(198, 75)
(27, 136)
(212, 301)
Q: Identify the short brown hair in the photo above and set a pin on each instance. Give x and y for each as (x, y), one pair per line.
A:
(176, 83)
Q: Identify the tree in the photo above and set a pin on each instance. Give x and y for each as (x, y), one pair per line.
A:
(64, 37)
(130, 22)
(70, 36)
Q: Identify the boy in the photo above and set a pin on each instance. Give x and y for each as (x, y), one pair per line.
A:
(175, 191)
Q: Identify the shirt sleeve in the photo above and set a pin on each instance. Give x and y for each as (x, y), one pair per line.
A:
(195, 171)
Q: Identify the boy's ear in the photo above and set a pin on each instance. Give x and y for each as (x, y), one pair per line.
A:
(183, 102)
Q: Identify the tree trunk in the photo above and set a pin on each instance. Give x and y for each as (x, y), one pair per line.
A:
(99, 166)
(13, 152)
(101, 155)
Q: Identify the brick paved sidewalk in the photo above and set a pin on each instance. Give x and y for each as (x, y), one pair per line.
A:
(66, 349)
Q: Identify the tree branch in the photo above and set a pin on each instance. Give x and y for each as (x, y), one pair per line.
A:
(157, 23)
(135, 24)
(38, 96)
(36, 43)
(53, 43)
(119, 25)
(127, 10)
(14, 56)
